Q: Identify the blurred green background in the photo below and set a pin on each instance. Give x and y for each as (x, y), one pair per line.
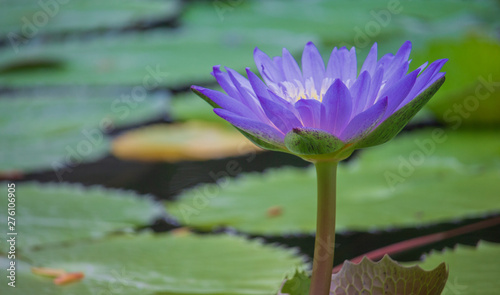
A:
(97, 93)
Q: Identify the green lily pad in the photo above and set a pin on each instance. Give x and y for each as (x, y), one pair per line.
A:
(471, 94)
(372, 192)
(476, 149)
(150, 59)
(24, 19)
(473, 270)
(324, 15)
(49, 214)
(162, 264)
(59, 133)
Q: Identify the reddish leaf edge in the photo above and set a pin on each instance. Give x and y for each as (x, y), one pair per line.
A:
(410, 244)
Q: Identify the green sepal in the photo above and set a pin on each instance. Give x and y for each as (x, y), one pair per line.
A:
(310, 142)
(261, 143)
(397, 121)
(299, 284)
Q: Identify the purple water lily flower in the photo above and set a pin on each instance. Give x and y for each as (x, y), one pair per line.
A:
(324, 112)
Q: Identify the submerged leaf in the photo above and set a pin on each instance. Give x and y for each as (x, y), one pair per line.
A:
(180, 142)
(388, 277)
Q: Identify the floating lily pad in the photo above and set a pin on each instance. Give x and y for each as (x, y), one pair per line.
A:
(472, 270)
(372, 192)
(317, 19)
(48, 214)
(24, 19)
(474, 149)
(150, 59)
(52, 133)
(162, 264)
(180, 142)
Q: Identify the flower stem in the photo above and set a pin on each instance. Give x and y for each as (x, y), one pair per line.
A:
(325, 228)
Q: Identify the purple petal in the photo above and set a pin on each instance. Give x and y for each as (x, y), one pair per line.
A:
(333, 66)
(375, 85)
(247, 97)
(425, 79)
(239, 77)
(284, 119)
(359, 92)
(258, 86)
(401, 56)
(341, 66)
(398, 92)
(423, 66)
(290, 67)
(255, 128)
(352, 66)
(310, 111)
(278, 62)
(364, 122)
(266, 67)
(313, 65)
(385, 62)
(225, 82)
(226, 102)
(338, 105)
(403, 53)
(371, 61)
(274, 97)
(396, 75)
